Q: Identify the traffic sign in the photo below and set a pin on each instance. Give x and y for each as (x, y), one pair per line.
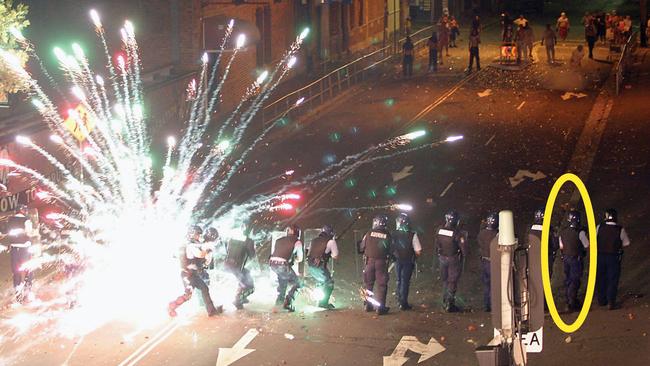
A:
(76, 118)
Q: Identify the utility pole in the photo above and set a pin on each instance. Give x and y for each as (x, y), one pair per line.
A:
(643, 5)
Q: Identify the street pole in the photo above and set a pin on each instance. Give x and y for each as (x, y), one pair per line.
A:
(643, 5)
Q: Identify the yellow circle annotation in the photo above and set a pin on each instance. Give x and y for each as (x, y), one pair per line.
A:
(593, 253)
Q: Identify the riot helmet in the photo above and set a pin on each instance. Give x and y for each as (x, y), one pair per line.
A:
(452, 219)
(611, 215)
(379, 222)
(327, 230)
(293, 230)
(403, 222)
(211, 234)
(492, 221)
(538, 216)
(574, 219)
(195, 232)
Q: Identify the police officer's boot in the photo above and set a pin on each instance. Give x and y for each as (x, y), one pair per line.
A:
(279, 300)
(451, 306)
(239, 299)
(287, 305)
(324, 303)
(214, 311)
(382, 310)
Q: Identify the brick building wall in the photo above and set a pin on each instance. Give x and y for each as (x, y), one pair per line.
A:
(275, 37)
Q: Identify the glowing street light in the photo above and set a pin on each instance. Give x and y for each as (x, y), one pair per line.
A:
(454, 138)
(241, 39)
(94, 16)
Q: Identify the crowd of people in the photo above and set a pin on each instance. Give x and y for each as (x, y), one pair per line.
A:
(442, 39)
(517, 35)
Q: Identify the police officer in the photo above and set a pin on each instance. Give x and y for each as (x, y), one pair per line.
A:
(451, 245)
(406, 246)
(238, 252)
(534, 245)
(322, 248)
(573, 243)
(485, 238)
(18, 236)
(194, 257)
(612, 238)
(284, 253)
(553, 243)
(375, 246)
(211, 240)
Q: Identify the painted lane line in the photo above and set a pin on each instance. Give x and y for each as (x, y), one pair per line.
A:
(153, 345)
(521, 105)
(490, 140)
(446, 189)
(326, 191)
(135, 353)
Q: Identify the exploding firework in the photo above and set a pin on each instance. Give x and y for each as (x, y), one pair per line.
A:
(124, 225)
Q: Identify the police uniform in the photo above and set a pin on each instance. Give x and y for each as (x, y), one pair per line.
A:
(283, 252)
(321, 250)
(405, 246)
(18, 238)
(553, 244)
(485, 238)
(376, 246)
(193, 264)
(237, 254)
(451, 246)
(573, 242)
(612, 238)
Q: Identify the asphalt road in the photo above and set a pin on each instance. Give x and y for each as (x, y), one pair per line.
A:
(522, 123)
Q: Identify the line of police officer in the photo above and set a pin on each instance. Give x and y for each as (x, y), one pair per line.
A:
(572, 242)
(379, 247)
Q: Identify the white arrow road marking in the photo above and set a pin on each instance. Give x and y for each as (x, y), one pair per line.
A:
(426, 351)
(522, 174)
(228, 356)
(406, 171)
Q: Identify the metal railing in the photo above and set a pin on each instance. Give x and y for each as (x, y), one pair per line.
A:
(339, 79)
(624, 62)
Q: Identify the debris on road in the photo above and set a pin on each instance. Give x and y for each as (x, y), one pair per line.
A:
(567, 339)
(289, 336)
(471, 328)
(569, 95)
(521, 105)
(485, 93)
